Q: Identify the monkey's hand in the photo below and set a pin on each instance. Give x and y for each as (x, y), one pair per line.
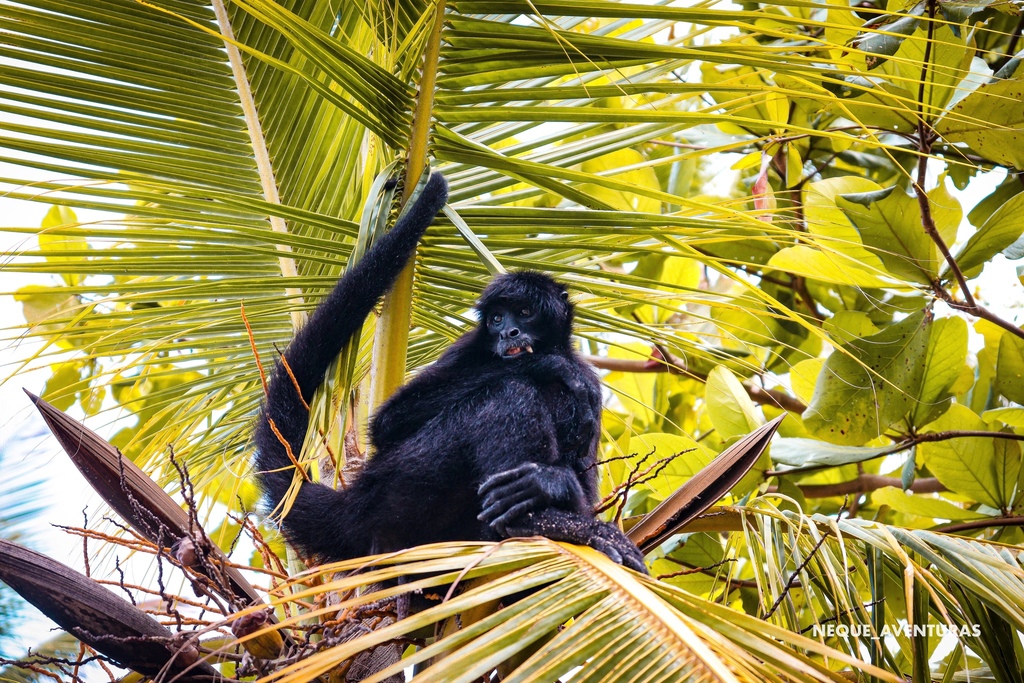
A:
(512, 493)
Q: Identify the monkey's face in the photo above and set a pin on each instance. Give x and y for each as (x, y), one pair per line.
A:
(515, 330)
(525, 313)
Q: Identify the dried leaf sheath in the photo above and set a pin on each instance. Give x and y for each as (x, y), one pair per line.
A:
(102, 620)
(703, 489)
(102, 466)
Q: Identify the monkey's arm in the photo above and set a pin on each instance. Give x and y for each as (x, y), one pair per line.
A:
(519, 463)
(416, 403)
(330, 327)
(534, 490)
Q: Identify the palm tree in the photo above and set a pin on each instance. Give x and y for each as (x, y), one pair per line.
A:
(238, 152)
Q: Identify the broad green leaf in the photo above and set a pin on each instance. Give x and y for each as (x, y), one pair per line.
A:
(1016, 250)
(91, 399)
(803, 376)
(57, 388)
(908, 473)
(41, 304)
(835, 267)
(990, 121)
(675, 274)
(869, 384)
(811, 452)
(1010, 368)
(944, 360)
(947, 213)
(970, 465)
(889, 223)
(634, 389)
(1009, 470)
(777, 106)
(958, 11)
(843, 25)
(1013, 417)
(794, 165)
(644, 177)
(730, 408)
(984, 209)
(845, 326)
(923, 505)
(964, 381)
(52, 245)
(876, 101)
(999, 231)
(829, 221)
(886, 42)
(747, 320)
(949, 61)
(698, 550)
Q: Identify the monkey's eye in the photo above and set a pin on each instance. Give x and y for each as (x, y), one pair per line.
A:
(526, 312)
(497, 318)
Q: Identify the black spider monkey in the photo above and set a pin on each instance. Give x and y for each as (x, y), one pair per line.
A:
(498, 438)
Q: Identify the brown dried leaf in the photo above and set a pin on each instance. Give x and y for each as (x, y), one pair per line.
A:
(101, 465)
(703, 489)
(100, 619)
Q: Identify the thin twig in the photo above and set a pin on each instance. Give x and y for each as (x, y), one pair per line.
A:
(287, 448)
(252, 344)
(866, 483)
(291, 375)
(791, 583)
(695, 570)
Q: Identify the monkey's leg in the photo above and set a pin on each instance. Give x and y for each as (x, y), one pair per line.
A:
(559, 525)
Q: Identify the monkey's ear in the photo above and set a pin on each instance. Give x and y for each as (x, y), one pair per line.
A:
(565, 296)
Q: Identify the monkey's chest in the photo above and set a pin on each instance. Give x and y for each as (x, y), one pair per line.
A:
(574, 427)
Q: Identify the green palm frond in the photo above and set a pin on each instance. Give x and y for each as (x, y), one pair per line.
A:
(853, 583)
(227, 159)
(135, 104)
(512, 600)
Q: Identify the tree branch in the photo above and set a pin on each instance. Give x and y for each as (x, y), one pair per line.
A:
(867, 483)
(980, 524)
(925, 137)
(907, 444)
(772, 397)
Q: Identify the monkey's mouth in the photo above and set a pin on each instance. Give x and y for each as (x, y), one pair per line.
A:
(513, 351)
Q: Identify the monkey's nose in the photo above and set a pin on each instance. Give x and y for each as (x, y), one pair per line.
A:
(513, 333)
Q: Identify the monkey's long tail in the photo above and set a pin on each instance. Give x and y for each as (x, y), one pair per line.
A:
(329, 328)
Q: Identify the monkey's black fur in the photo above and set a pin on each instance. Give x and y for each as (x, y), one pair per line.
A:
(498, 438)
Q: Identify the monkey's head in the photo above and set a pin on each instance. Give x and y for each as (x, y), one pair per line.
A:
(525, 312)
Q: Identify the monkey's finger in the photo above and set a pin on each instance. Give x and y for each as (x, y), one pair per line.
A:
(635, 565)
(494, 507)
(608, 549)
(499, 479)
(501, 523)
(633, 558)
(513, 489)
(506, 497)
(506, 476)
